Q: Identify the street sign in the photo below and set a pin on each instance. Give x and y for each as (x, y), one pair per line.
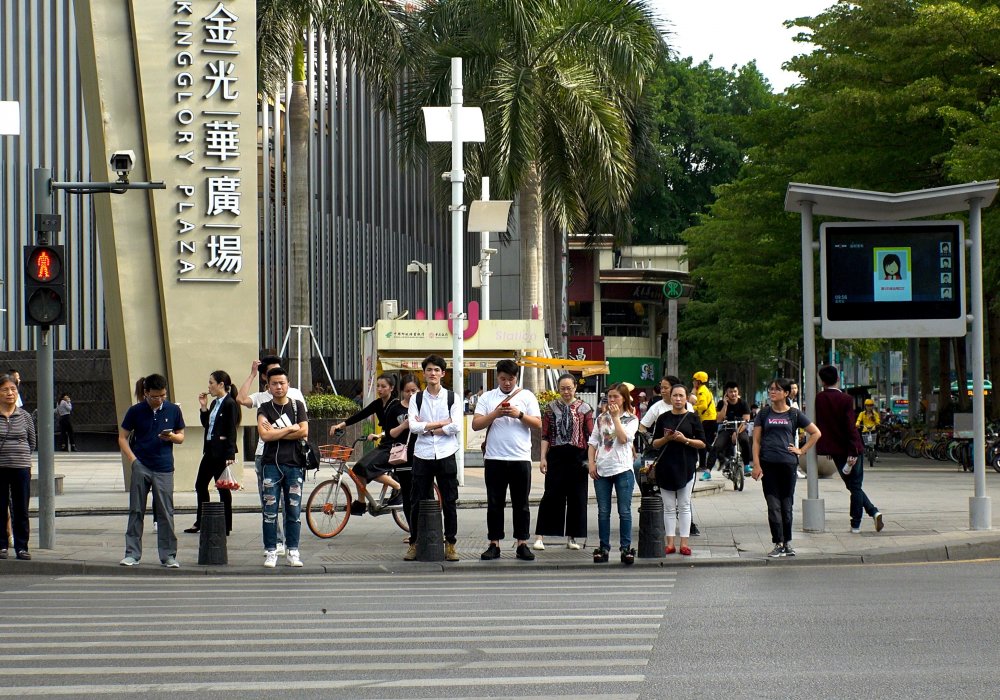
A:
(673, 289)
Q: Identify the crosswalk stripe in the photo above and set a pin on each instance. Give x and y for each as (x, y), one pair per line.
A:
(332, 684)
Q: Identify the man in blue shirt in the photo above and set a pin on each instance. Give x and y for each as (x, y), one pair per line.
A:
(147, 436)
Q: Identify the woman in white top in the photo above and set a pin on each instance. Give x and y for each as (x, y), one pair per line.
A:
(609, 456)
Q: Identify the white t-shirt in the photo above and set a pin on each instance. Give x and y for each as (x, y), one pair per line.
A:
(611, 456)
(509, 438)
(657, 410)
(262, 397)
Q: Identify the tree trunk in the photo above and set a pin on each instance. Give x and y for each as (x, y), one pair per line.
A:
(531, 229)
(924, 352)
(961, 372)
(944, 378)
(300, 302)
(992, 304)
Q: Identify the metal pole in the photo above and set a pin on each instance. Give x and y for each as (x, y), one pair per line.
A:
(457, 256)
(980, 517)
(813, 509)
(45, 390)
(672, 348)
(430, 292)
(484, 263)
(564, 300)
(298, 356)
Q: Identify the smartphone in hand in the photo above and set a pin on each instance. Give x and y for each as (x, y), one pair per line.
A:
(166, 431)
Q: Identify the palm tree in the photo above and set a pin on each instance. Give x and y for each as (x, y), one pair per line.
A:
(369, 34)
(559, 83)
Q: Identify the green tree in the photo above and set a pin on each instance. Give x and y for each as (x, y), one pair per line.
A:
(696, 144)
(559, 83)
(370, 34)
(897, 95)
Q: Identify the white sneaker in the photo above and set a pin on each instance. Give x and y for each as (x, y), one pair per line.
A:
(539, 545)
(171, 563)
(280, 549)
(855, 530)
(800, 474)
(156, 526)
(271, 560)
(572, 544)
(292, 558)
(129, 561)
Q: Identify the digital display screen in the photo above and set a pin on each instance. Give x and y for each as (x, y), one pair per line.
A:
(897, 271)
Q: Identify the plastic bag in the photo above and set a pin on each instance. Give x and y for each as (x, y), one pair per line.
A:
(226, 481)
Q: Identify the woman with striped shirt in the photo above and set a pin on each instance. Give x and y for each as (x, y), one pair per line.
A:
(17, 441)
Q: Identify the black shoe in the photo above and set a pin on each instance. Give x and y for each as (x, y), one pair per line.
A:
(600, 556)
(628, 556)
(395, 501)
(358, 508)
(193, 529)
(789, 552)
(3, 553)
(492, 552)
(694, 530)
(24, 555)
(778, 551)
(524, 552)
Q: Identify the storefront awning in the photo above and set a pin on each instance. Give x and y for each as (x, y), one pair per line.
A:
(412, 364)
(587, 368)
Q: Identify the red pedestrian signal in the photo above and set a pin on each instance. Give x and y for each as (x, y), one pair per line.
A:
(44, 286)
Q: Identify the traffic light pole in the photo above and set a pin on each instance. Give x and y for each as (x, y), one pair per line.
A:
(45, 389)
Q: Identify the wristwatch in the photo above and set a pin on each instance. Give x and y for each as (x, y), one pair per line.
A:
(520, 415)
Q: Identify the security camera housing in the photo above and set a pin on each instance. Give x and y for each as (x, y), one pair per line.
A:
(122, 163)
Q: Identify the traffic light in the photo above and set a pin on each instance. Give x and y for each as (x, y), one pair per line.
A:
(44, 285)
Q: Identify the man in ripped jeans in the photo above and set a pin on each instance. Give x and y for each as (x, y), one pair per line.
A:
(281, 423)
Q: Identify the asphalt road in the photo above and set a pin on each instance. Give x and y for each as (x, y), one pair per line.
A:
(790, 631)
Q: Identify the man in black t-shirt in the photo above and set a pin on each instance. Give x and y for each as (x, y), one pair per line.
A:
(732, 407)
(281, 423)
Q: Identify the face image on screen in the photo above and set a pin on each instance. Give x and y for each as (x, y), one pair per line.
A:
(885, 272)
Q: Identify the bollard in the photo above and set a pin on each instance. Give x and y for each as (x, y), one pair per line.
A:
(212, 542)
(651, 531)
(430, 531)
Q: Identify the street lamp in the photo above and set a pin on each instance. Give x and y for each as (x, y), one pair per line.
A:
(415, 266)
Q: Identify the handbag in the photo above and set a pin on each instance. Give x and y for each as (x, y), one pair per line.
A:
(397, 453)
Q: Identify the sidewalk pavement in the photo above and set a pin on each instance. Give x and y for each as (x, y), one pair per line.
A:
(925, 506)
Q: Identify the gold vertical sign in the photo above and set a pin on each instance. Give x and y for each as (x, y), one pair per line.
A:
(186, 88)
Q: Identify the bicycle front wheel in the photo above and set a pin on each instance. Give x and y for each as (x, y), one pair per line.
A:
(328, 508)
(738, 477)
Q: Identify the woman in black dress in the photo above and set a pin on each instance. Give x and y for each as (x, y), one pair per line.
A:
(219, 448)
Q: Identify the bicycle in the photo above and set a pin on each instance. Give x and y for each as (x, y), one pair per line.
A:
(871, 449)
(732, 465)
(330, 504)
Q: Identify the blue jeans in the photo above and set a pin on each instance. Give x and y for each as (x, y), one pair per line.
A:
(258, 465)
(860, 503)
(623, 484)
(282, 482)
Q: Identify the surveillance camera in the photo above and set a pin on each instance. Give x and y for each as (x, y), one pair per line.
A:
(122, 163)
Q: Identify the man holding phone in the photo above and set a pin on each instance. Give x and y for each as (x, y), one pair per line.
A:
(508, 413)
(154, 425)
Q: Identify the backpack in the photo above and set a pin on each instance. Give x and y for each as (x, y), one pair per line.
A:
(420, 401)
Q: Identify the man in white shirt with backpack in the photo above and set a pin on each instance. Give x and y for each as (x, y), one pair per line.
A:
(436, 418)
(508, 413)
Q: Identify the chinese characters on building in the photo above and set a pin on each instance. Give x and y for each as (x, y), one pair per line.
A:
(207, 139)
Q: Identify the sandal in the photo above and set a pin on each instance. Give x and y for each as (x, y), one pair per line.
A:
(671, 549)
(628, 556)
(600, 556)
(686, 551)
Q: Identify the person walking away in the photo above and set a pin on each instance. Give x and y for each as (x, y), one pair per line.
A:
(436, 418)
(258, 373)
(609, 458)
(282, 423)
(840, 440)
(375, 466)
(566, 426)
(681, 436)
(508, 413)
(775, 459)
(220, 421)
(399, 431)
(156, 425)
(17, 442)
(64, 411)
(704, 406)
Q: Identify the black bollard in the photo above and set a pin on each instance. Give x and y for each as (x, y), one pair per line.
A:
(430, 531)
(651, 531)
(212, 543)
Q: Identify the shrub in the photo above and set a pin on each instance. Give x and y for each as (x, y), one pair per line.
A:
(546, 397)
(330, 406)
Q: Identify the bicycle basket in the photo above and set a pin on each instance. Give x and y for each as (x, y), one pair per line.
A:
(335, 453)
(869, 439)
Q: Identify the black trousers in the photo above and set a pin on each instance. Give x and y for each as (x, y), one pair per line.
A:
(779, 493)
(66, 430)
(15, 485)
(710, 427)
(425, 471)
(501, 475)
(211, 468)
(563, 510)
